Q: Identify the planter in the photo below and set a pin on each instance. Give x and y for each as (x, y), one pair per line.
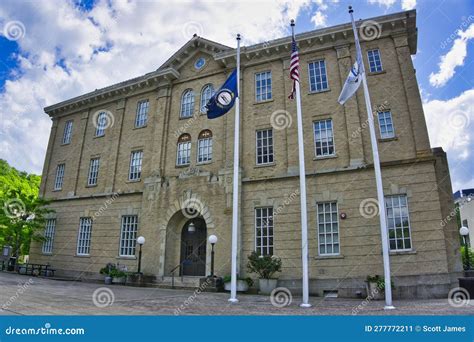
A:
(108, 280)
(242, 286)
(374, 292)
(22, 270)
(267, 285)
(118, 280)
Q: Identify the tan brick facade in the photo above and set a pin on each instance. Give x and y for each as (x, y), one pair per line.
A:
(409, 166)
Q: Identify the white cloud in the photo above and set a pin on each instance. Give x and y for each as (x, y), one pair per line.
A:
(408, 4)
(319, 19)
(454, 58)
(386, 3)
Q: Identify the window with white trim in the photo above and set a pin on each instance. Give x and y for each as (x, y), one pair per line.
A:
(58, 182)
(187, 104)
(375, 62)
(135, 171)
(323, 138)
(386, 125)
(93, 171)
(263, 86)
(128, 235)
(183, 154)
(398, 222)
(84, 236)
(206, 93)
(204, 146)
(264, 230)
(318, 80)
(264, 146)
(142, 113)
(67, 134)
(328, 229)
(101, 124)
(47, 247)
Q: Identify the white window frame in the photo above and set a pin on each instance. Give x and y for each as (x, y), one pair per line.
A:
(265, 248)
(67, 134)
(377, 68)
(135, 169)
(59, 179)
(128, 235)
(93, 172)
(204, 154)
(187, 104)
(325, 141)
(141, 118)
(49, 231)
(383, 124)
(101, 124)
(313, 87)
(206, 93)
(263, 92)
(84, 236)
(264, 144)
(328, 224)
(183, 153)
(392, 220)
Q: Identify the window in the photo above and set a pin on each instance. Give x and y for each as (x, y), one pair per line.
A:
(135, 165)
(67, 132)
(93, 172)
(101, 124)
(264, 231)
(204, 146)
(386, 125)
(264, 146)
(187, 104)
(206, 94)
(375, 64)
(318, 80)
(263, 86)
(183, 155)
(128, 235)
(323, 138)
(49, 236)
(328, 228)
(398, 222)
(142, 113)
(58, 182)
(84, 236)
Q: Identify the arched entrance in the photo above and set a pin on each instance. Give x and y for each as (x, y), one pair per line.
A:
(193, 247)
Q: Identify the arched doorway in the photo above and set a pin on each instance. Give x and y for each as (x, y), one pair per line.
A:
(193, 247)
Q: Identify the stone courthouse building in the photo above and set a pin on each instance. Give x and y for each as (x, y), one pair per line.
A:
(140, 158)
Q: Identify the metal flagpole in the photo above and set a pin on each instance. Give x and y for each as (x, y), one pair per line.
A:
(378, 174)
(235, 188)
(304, 219)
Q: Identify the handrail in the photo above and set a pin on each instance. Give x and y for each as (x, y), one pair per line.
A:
(174, 270)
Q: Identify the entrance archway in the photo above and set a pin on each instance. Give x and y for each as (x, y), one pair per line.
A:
(193, 247)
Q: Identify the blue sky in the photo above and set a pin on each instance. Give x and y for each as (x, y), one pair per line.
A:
(66, 48)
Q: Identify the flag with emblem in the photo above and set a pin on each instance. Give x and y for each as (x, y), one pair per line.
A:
(223, 100)
(353, 81)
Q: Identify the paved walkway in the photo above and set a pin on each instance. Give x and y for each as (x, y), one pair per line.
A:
(24, 295)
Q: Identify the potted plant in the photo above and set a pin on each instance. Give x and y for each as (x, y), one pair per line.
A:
(118, 276)
(265, 266)
(243, 284)
(106, 271)
(376, 287)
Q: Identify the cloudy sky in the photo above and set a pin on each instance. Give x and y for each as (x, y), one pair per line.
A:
(54, 50)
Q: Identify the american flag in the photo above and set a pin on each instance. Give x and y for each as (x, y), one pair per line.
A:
(294, 67)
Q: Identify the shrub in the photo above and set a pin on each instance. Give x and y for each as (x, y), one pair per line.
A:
(264, 265)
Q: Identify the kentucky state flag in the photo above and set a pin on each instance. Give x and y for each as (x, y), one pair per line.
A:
(223, 100)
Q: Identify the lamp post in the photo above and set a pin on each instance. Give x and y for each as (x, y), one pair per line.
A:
(464, 231)
(140, 241)
(212, 241)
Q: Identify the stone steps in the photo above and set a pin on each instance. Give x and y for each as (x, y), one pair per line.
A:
(185, 282)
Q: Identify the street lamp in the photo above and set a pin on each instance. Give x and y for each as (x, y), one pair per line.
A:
(212, 241)
(140, 241)
(464, 231)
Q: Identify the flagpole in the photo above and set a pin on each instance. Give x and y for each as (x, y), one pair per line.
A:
(378, 174)
(304, 218)
(235, 188)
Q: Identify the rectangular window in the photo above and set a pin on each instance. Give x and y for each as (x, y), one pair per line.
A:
(101, 124)
(135, 165)
(328, 228)
(84, 236)
(67, 132)
(183, 156)
(142, 113)
(318, 80)
(375, 63)
(386, 125)
(263, 86)
(398, 222)
(49, 236)
(323, 138)
(264, 146)
(204, 150)
(93, 172)
(128, 235)
(264, 230)
(58, 182)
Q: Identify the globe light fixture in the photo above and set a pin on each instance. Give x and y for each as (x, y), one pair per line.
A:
(140, 241)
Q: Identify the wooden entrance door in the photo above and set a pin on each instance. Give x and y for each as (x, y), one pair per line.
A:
(193, 248)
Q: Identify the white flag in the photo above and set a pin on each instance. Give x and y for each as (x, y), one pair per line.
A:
(353, 81)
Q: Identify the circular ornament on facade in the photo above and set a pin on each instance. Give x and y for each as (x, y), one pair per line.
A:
(200, 63)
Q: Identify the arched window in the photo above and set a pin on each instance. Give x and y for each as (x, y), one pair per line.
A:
(204, 146)
(183, 155)
(187, 104)
(206, 94)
